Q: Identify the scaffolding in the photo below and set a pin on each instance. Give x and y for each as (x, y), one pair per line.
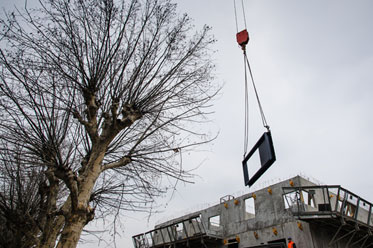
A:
(184, 233)
(346, 213)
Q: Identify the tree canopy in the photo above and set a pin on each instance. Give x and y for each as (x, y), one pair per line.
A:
(98, 98)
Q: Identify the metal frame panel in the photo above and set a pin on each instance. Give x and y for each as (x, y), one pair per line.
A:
(267, 158)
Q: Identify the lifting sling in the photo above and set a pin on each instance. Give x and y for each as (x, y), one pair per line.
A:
(265, 143)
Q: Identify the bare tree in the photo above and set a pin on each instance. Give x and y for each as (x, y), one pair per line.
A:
(25, 198)
(98, 98)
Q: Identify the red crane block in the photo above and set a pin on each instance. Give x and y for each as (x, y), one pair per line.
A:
(242, 38)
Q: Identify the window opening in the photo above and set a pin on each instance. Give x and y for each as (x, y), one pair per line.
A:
(283, 241)
(279, 243)
(234, 245)
(249, 208)
(214, 221)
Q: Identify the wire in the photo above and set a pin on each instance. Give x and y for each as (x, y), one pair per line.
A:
(247, 64)
(246, 127)
(235, 14)
(243, 11)
(264, 121)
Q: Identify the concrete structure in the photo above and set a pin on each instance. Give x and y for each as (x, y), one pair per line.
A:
(314, 216)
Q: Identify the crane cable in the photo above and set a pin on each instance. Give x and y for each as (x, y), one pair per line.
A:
(264, 120)
(246, 127)
(243, 14)
(247, 65)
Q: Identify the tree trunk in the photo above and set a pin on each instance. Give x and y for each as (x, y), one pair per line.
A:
(50, 236)
(81, 214)
(72, 230)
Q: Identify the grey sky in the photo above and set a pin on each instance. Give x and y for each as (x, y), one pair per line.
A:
(313, 66)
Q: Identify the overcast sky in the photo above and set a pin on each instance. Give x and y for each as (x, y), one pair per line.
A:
(313, 65)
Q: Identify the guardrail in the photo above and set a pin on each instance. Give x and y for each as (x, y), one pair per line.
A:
(328, 200)
(180, 231)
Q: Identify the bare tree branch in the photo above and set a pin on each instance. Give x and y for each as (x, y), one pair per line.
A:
(98, 101)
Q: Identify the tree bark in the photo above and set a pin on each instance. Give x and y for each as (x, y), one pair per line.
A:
(82, 214)
(51, 235)
(72, 231)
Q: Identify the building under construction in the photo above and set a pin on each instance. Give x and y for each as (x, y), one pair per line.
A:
(315, 216)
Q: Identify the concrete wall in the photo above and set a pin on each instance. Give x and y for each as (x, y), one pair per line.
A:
(271, 220)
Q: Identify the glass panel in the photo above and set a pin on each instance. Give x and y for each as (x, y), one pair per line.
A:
(157, 237)
(194, 227)
(350, 202)
(166, 235)
(363, 211)
(139, 241)
(149, 240)
(291, 199)
(172, 232)
(180, 231)
(308, 198)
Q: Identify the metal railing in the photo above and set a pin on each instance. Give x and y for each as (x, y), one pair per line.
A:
(177, 232)
(319, 201)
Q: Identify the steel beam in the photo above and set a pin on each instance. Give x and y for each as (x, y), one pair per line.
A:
(346, 235)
